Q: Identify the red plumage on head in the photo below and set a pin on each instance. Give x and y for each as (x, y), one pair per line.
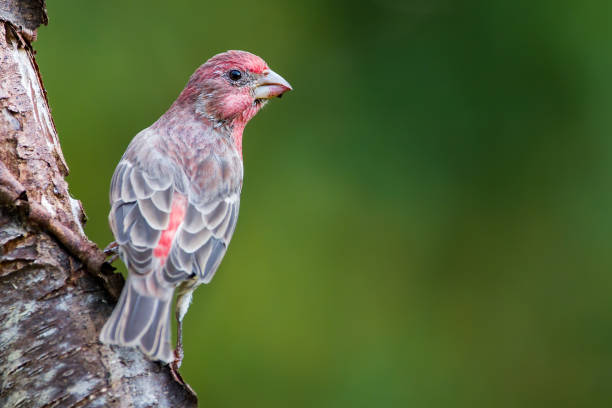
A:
(225, 104)
(242, 59)
(229, 60)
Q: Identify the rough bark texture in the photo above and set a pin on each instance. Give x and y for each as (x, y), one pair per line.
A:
(56, 289)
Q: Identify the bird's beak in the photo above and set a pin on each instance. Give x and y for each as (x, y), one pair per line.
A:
(270, 85)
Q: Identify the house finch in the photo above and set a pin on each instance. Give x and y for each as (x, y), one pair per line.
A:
(175, 196)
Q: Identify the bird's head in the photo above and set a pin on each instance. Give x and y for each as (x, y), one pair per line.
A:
(233, 86)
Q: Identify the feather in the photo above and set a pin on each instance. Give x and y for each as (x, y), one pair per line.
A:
(140, 185)
(163, 199)
(218, 250)
(217, 215)
(194, 221)
(189, 242)
(142, 234)
(156, 218)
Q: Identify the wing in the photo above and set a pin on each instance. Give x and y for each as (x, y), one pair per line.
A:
(159, 224)
(141, 207)
(202, 239)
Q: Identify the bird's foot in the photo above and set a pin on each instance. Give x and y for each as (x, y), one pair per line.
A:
(174, 367)
(175, 373)
(178, 356)
(112, 252)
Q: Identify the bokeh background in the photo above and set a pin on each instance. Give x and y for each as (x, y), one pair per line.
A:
(425, 220)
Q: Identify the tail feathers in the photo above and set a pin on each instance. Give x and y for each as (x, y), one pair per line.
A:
(140, 321)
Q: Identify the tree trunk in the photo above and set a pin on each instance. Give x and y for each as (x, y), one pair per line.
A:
(56, 290)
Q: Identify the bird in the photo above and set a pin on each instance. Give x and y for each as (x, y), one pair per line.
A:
(175, 196)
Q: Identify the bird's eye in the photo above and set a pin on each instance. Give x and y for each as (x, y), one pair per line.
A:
(235, 75)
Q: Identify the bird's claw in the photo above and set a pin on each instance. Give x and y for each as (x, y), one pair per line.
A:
(112, 252)
(174, 366)
(111, 248)
(178, 357)
(175, 374)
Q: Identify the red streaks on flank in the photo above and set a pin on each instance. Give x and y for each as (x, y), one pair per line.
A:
(177, 214)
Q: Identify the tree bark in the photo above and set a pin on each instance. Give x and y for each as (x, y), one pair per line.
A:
(57, 291)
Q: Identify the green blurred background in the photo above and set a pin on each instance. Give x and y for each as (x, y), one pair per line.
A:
(425, 220)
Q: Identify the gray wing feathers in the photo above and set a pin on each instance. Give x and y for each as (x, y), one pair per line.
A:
(139, 184)
(121, 221)
(143, 234)
(156, 216)
(191, 242)
(214, 259)
(162, 199)
(217, 215)
(193, 221)
(202, 239)
(140, 212)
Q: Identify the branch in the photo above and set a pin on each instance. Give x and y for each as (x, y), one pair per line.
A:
(13, 194)
(57, 290)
